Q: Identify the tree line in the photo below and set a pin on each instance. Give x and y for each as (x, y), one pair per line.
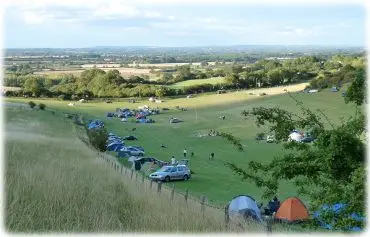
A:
(98, 83)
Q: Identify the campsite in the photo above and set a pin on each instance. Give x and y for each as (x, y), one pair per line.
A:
(189, 117)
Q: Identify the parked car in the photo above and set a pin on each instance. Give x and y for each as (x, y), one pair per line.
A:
(175, 120)
(168, 173)
(133, 151)
(130, 138)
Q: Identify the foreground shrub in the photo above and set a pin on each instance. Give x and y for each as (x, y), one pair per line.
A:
(42, 106)
(98, 138)
(31, 104)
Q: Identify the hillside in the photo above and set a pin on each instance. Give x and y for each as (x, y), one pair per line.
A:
(55, 183)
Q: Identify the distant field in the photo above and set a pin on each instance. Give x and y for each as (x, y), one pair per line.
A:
(144, 65)
(125, 72)
(57, 73)
(212, 80)
(10, 88)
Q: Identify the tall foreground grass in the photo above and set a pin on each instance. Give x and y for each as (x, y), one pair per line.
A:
(55, 183)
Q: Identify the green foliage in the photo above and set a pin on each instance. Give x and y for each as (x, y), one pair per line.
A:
(31, 104)
(34, 85)
(233, 140)
(98, 138)
(42, 106)
(356, 91)
(330, 170)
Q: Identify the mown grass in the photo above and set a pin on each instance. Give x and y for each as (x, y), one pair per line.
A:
(54, 183)
(211, 178)
(212, 80)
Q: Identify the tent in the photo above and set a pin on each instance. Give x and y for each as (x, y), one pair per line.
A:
(292, 210)
(115, 147)
(246, 206)
(296, 136)
(336, 209)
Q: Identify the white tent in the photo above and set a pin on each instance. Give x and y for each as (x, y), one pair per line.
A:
(313, 91)
(151, 99)
(82, 100)
(295, 136)
(245, 206)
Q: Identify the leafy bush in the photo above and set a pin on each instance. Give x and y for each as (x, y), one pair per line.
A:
(98, 138)
(31, 104)
(42, 106)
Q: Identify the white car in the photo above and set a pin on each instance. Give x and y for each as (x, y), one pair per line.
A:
(270, 139)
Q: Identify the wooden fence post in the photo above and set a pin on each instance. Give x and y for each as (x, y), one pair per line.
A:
(121, 169)
(136, 174)
(203, 202)
(159, 187)
(151, 183)
(142, 178)
(227, 217)
(132, 173)
(173, 192)
(186, 195)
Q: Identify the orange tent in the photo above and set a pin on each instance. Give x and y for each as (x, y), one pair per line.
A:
(292, 209)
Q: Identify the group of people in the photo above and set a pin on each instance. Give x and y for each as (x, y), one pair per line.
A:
(271, 208)
(173, 159)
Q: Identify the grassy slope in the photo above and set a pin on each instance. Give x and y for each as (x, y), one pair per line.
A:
(212, 80)
(213, 178)
(55, 183)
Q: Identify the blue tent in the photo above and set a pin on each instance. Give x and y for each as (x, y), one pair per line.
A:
(115, 147)
(122, 154)
(246, 206)
(336, 209)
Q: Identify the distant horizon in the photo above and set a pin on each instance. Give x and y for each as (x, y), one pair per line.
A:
(198, 46)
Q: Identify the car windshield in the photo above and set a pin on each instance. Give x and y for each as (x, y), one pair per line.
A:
(165, 169)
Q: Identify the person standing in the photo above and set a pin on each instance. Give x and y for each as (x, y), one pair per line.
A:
(185, 152)
(173, 160)
(212, 156)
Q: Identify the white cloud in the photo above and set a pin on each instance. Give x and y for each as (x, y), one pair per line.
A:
(31, 18)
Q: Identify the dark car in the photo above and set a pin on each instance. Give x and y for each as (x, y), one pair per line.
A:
(130, 138)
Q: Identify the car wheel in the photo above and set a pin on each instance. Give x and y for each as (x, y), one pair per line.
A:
(167, 179)
(186, 177)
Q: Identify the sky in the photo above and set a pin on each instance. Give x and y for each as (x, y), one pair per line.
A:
(89, 23)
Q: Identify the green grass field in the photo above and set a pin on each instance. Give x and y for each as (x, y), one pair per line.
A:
(211, 178)
(212, 80)
(55, 183)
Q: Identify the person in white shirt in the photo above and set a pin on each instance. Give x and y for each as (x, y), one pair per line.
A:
(173, 160)
(185, 152)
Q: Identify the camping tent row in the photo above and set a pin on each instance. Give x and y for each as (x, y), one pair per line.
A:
(140, 114)
(114, 143)
(292, 210)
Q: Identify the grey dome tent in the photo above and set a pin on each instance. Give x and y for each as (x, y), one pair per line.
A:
(246, 206)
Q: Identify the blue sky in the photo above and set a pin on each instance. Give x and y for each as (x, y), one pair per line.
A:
(86, 23)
